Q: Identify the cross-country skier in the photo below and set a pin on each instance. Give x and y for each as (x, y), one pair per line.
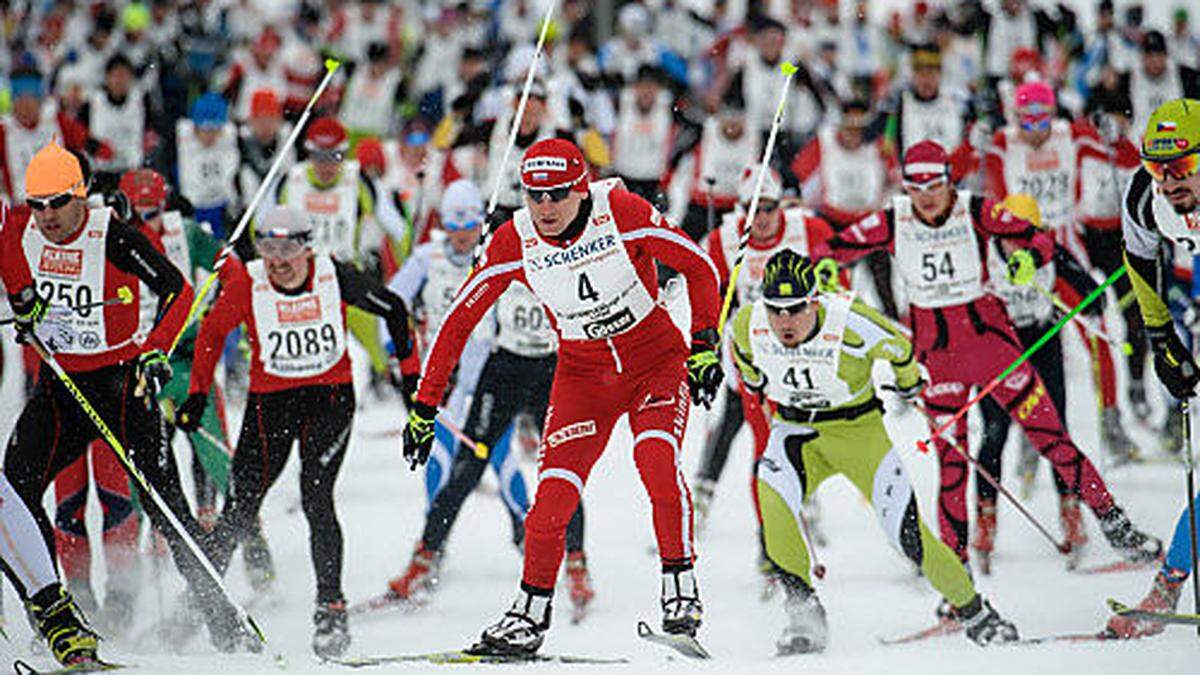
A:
(69, 255)
(293, 302)
(964, 337)
(1162, 204)
(588, 253)
(811, 354)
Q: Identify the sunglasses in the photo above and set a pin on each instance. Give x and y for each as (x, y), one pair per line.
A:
(788, 308)
(55, 202)
(451, 226)
(1180, 168)
(763, 206)
(149, 214)
(1035, 123)
(925, 186)
(327, 155)
(555, 195)
(278, 247)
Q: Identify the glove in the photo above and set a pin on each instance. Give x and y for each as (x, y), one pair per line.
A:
(418, 434)
(29, 308)
(1172, 362)
(187, 418)
(1021, 267)
(704, 368)
(153, 371)
(119, 203)
(827, 276)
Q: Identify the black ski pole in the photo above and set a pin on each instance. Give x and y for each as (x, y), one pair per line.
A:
(1190, 469)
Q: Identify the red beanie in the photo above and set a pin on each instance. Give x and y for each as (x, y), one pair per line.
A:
(925, 162)
(553, 163)
(265, 103)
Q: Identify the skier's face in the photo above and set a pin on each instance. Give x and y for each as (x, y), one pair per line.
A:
(326, 168)
(464, 239)
(59, 224)
(767, 220)
(288, 272)
(927, 80)
(1184, 194)
(793, 325)
(535, 109)
(208, 135)
(1154, 63)
(265, 127)
(552, 217)
(118, 81)
(932, 201)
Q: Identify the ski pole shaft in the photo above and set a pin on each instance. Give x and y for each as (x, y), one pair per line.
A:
(518, 116)
(124, 297)
(1190, 469)
(331, 67)
(123, 456)
(789, 70)
(818, 568)
(923, 445)
(1062, 547)
(480, 450)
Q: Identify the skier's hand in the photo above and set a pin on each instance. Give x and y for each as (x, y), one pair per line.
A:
(187, 418)
(418, 434)
(1021, 267)
(1172, 361)
(153, 371)
(29, 308)
(704, 368)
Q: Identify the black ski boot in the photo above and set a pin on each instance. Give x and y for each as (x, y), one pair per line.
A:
(331, 633)
(984, 625)
(523, 627)
(1133, 544)
(62, 625)
(806, 631)
(681, 606)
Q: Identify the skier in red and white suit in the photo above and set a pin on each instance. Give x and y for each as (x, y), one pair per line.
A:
(588, 252)
(963, 335)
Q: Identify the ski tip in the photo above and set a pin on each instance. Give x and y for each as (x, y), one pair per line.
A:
(788, 68)
(643, 629)
(332, 65)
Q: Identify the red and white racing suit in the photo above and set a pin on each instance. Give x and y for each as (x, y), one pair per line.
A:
(619, 353)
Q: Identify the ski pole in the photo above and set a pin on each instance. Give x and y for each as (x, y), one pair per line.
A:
(818, 568)
(1088, 326)
(1062, 547)
(512, 132)
(710, 213)
(124, 297)
(331, 66)
(923, 444)
(207, 435)
(479, 448)
(789, 70)
(136, 473)
(1190, 469)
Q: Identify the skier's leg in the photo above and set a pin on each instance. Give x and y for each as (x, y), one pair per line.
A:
(786, 474)
(120, 520)
(991, 452)
(324, 436)
(513, 492)
(945, 395)
(71, 487)
(717, 445)
(23, 551)
(1178, 563)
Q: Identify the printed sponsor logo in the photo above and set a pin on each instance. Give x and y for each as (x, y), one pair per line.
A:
(544, 164)
(322, 202)
(1026, 408)
(946, 389)
(656, 401)
(89, 339)
(303, 310)
(611, 325)
(1017, 380)
(571, 432)
(579, 251)
(531, 242)
(760, 331)
(61, 261)
(1165, 125)
(602, 219)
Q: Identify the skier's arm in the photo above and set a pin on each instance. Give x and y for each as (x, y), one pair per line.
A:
(231, 308)
(408, 281)
(1073, 273)
(873, 233)
(15, 270)
(129, 251)
(1139, 231)
(743, 355)
(643, 227)
(500, 266)
(883, 340)
(366, 292)
(993, 220)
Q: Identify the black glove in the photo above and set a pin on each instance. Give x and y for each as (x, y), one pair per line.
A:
(119, 203)
(29, 308)
(187, 418)
(153, 371)
(704, 368)
(418, 434)
(1172, 361)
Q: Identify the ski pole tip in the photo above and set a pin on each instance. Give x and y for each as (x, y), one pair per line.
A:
(481, 450)
(332, 65)
(819, 571)
(788, 68)
(923, 446)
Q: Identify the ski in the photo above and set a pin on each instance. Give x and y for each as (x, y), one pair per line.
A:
(463, 656)
(944, 627)
(1066, 637)
(23, 668)
(384, 601)
(686, 645)
(1121, 609)
(1116, 566)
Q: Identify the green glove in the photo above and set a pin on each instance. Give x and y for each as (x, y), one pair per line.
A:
(418, 434)
(827, 276)
(1021, 267)
(704, 368)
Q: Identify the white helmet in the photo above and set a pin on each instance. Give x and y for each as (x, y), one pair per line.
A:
(772, 186)
(462, 205)
(283, 222)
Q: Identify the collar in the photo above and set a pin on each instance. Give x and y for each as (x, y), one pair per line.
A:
(572, 232)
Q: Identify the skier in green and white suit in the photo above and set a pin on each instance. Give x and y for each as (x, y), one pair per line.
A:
(809, 354)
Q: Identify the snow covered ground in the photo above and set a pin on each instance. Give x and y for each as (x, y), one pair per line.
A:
(869, 591)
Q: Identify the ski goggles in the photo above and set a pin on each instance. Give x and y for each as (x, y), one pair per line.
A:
(279, 247)
(460, 224)
(54, 201)
(555, 195)
(147, 215)
(1179, 168)
(764, 206)
(787, 306)
(1035, 117)
(327, 155)
(926, 184)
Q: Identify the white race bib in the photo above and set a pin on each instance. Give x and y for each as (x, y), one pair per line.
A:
(300, 335)
(333, 211)
(1047, 174)
(523, 327)
(804, 376)
(941, 265)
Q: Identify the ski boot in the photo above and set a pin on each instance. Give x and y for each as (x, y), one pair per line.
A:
(62, 625)
(1137, 399)
(420, 579)
(85, 598)
(580, 584)
(682, 610)
(1163, 597)
(1133, 544)
(806, 631)
(702, 496)
(984, 625)
(985, 534)
(1121, 449)
(521, 630)
(1074, 532)
(331, 635)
